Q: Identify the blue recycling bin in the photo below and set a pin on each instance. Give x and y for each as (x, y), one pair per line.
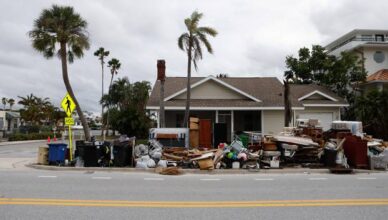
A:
(57, 153)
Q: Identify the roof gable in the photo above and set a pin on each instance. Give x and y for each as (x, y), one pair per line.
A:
(317, 95)
(212, 90)
(220, 82)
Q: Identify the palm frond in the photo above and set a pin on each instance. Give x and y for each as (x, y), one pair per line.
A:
(204, 40)
(208, 30)
(182, 41)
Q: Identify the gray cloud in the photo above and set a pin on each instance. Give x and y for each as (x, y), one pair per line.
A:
(254, 39)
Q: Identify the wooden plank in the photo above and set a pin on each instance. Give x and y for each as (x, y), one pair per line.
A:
(167, 136)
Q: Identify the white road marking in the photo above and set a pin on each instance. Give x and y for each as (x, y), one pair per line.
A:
(366, 178)
(101, 178)
(154, 179)
(210, 179)
(47, 176)
(318, 178)
(263, 179)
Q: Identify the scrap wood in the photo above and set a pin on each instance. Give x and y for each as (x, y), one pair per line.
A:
(166, 136)
(172, 157)
(218, 156)
(168, 171)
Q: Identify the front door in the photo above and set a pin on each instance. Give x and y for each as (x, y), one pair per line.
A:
(205, 133)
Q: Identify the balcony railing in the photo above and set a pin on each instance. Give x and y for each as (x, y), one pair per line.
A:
(365, 39)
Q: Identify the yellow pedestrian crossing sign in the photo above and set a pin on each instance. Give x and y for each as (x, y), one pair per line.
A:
(68, 104)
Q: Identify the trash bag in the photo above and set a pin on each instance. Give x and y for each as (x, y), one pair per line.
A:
(140, 150)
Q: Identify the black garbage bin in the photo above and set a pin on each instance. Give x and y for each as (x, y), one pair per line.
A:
(90, 156)
(330, 157)
(122, 153)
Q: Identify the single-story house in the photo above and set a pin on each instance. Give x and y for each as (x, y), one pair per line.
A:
(377, 80)
(9, 122)
(244, 103)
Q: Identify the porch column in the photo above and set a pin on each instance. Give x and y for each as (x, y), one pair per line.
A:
(216, 116)
(262, 122)
(157, 119)
(232, 123)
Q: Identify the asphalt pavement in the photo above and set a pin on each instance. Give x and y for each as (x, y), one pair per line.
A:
(27, 193)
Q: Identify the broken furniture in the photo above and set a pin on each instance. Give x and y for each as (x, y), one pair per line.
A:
(171, 137)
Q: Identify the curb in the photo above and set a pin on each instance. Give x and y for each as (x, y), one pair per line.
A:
(197, 171)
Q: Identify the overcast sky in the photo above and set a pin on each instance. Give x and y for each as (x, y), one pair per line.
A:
(254, 39)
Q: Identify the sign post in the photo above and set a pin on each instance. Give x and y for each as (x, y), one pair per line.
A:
(68, 105)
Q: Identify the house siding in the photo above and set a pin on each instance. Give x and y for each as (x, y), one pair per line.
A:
(273, 121)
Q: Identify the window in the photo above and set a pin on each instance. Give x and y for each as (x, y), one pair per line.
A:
(1, 123)
(379, 57)
(379, 37)
(366, 37)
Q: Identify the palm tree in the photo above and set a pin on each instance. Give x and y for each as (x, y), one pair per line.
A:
(11, 102)
(4, 102)
(62, 25)
(191, 42)
(29, 100)
(114, 65)
(101, 54)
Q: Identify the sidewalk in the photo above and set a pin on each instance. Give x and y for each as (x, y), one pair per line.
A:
(21, 142)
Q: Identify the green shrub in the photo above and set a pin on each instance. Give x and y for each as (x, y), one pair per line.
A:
(32, 136)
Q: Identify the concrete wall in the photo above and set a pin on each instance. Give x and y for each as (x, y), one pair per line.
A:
(212, 90)
(370, 64)
(273, 121)
(2, 118)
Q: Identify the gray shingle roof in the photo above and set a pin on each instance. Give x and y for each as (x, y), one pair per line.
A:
(267, 89)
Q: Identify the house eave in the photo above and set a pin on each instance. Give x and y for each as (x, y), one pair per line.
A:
(221, 108)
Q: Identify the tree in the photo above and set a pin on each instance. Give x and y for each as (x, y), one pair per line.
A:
(114, 65)
(371, 108)
(101, 54)
(4, 102)
(191, 42)
(62, 25)
(316, 66)
(36, 110)
(11, 102)
(127, 103)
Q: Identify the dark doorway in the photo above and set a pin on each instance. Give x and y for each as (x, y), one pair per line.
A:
(220, 133)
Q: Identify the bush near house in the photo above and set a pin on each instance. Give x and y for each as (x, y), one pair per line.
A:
(32, 136)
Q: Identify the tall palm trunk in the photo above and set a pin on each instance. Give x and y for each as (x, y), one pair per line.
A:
(70, 90)
(107, 114)
(102, 95)
(188, 92)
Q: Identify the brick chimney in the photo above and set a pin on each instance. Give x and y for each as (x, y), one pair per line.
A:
(161, 64)
(161, 70)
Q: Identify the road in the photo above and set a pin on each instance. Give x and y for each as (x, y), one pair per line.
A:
(39, 194)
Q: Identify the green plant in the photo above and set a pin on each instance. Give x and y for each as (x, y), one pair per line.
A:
(191, 42)
(32, 136)
(61, 25)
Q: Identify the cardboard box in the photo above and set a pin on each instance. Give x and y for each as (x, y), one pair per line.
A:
(194, 126)
(206, 164)
(194, 138)
(192, 119)
(43, 155)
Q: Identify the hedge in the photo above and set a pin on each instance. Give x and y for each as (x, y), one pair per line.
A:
(32, 136)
